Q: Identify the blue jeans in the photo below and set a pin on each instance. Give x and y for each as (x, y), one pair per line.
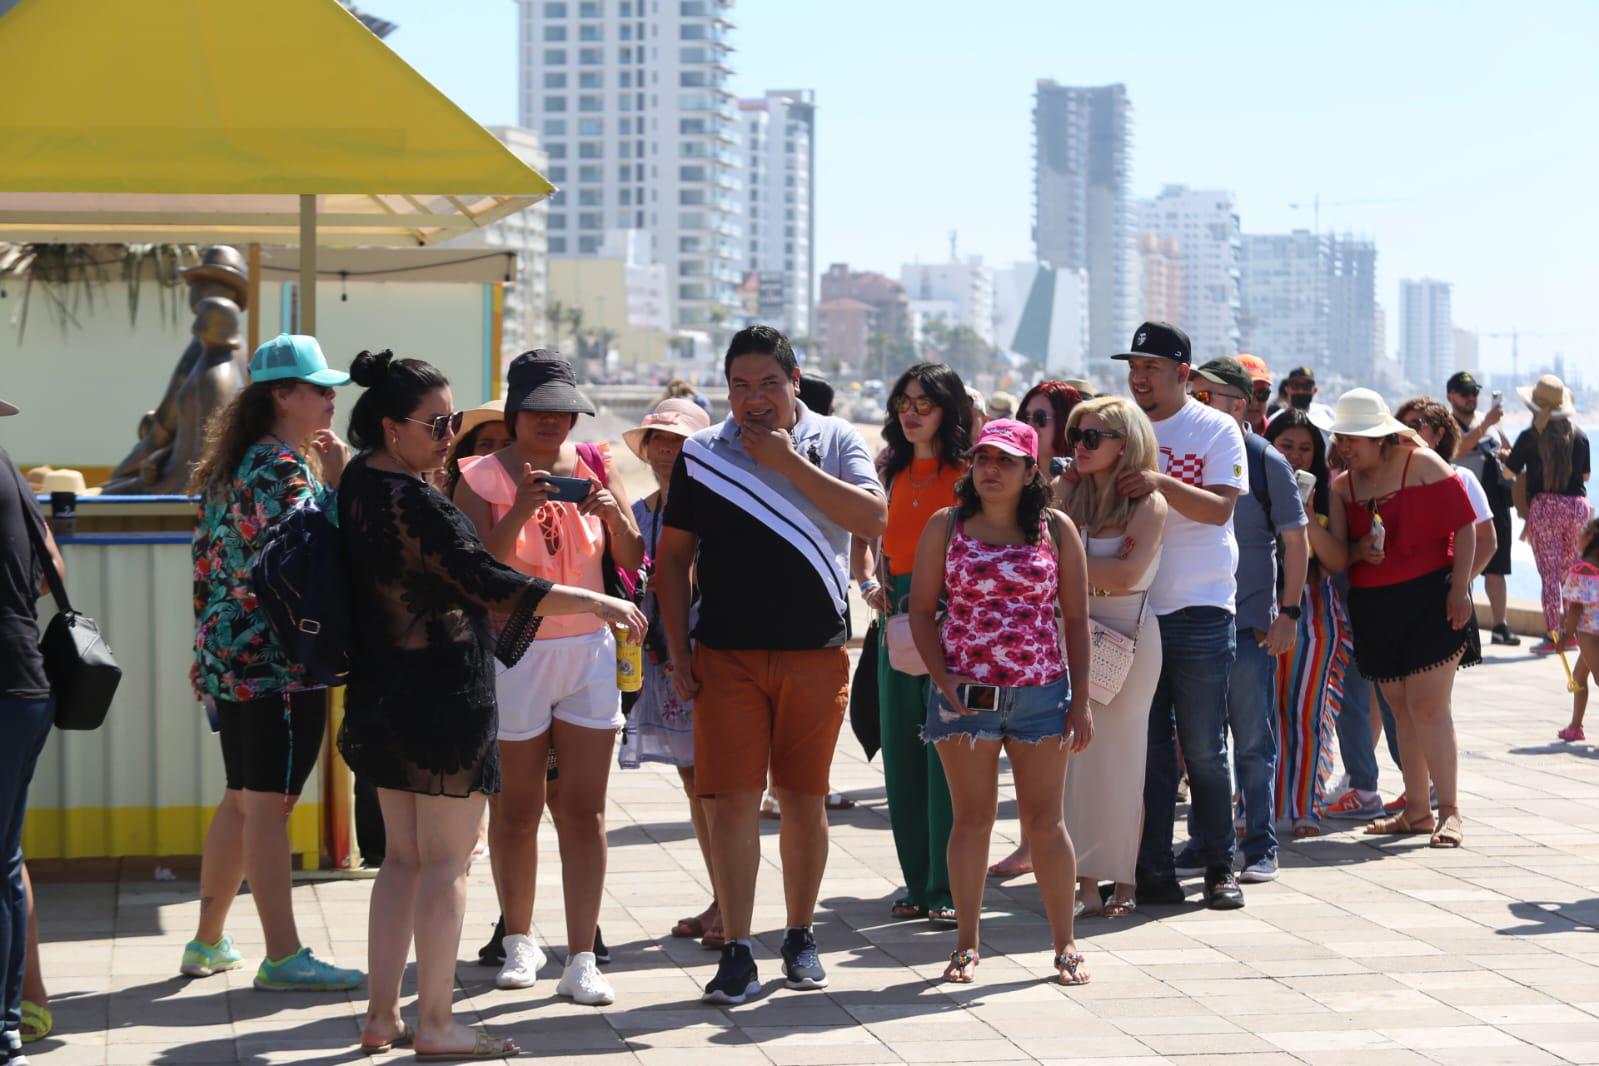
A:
(1354, 730)
(25, 725)
(1198, 652)
(1252, 714)
(1030, 714)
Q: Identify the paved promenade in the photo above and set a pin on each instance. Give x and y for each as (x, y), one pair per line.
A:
(1365, 951)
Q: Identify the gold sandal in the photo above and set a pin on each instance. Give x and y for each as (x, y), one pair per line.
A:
(1396, 825)
(1449, 833)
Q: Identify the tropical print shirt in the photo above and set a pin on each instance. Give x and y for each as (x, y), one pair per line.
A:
(237, 658)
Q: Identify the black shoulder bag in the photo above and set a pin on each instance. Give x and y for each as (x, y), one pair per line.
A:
(82, 671)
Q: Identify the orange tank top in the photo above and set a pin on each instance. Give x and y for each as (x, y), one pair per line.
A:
(918, 491)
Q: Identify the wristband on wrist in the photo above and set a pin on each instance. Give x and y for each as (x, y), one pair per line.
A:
(868, 585)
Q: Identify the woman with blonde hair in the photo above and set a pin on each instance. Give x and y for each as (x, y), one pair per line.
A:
(1105, 790)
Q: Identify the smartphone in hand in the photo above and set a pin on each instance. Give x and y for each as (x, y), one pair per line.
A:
(568, 489)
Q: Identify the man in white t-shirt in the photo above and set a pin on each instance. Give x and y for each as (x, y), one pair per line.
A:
(1203, 471)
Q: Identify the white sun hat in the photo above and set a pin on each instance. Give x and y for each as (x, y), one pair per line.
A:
(1364, 413)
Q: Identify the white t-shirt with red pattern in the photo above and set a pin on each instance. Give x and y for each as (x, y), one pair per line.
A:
(1198, 446)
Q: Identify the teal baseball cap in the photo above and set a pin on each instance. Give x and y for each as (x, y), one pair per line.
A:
(294, 357)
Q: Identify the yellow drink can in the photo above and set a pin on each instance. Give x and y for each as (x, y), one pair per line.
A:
(629, 661)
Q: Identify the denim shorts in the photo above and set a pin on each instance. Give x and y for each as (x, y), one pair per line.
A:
(1028, 715)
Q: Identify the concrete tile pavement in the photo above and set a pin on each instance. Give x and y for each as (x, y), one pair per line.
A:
(1379, 950)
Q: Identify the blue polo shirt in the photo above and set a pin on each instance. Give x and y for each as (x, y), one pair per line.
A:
(772, 569)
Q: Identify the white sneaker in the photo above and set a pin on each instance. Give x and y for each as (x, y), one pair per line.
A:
(583, 983)
(523, 959)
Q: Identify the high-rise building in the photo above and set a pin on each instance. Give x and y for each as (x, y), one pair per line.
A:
(1465, 349)
(1309, 299)
(523, 323)
(1042, 313)
(780, 211)
(1426, 333)
(1205, 224)
(1352, 292)
(630, 100)
(966, 285)
(1160, 271)
(1082, 214)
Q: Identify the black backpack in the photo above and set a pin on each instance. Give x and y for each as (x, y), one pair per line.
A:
(303, 584)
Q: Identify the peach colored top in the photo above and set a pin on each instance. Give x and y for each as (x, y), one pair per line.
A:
(557, 543)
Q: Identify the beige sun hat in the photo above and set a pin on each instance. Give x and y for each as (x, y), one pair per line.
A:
(678, 416)
(493, 411)
(1364, 413)
(1547, 399)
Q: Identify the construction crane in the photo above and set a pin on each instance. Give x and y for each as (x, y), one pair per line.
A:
(1315, 206)
(1515, 336)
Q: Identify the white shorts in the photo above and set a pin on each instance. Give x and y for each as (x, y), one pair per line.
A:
(570, 678)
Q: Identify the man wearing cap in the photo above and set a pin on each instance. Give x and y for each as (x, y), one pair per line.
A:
(1203, 471)
(1260, 390)
(1267, 622)
(763, 506)
(1480, 452)
(1300, 391)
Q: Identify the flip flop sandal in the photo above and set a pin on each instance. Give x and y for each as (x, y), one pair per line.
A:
(404, 1038)
(837, 801)
(688, 929)
(961, 965)
(1395, 825)
(906, 910)
(941, 915)
(1449, 834)
(485, 1047)
(1070, 967)
(37, 1021)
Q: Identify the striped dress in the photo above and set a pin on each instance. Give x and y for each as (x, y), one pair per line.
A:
(1310, 691)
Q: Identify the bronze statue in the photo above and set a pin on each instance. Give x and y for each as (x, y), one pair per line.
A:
(217, 374)
(220, 273)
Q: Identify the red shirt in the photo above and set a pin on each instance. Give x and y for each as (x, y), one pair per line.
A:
(1421, 521)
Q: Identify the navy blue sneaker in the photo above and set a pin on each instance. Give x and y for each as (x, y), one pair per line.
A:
(802, 967)
(736, 977)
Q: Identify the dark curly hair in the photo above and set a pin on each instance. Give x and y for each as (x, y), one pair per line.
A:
(1295, 418)
(1030, 508)
(1062, 398)
(394, 389)
(944, 386)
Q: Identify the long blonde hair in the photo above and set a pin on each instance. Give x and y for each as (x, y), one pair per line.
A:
(1092, 507)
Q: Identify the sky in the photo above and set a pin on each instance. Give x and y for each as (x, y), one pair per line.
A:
(1458, 136)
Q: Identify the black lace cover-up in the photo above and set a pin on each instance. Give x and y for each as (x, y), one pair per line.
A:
(419, 711)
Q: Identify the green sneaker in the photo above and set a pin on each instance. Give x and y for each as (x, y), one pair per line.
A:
(304, 972)
(203, 960)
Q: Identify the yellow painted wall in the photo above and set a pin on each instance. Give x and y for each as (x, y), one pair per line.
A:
(83, 390)
(599, 288)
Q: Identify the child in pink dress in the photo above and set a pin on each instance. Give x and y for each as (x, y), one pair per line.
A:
(1579, 598)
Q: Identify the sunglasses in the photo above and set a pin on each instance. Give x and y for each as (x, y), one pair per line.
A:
(1204, 396)
(1417, 425)
(442, 426)
(922, 405)
(1262, 393)
(1038, 419)
(1090, 438)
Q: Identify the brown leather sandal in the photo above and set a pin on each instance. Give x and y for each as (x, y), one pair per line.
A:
(1449, 833)
(1396, 825)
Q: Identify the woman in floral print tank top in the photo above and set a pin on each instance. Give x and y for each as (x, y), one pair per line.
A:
(1006, 563)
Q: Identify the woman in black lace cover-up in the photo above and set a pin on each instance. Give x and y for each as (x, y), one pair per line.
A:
(420, 715)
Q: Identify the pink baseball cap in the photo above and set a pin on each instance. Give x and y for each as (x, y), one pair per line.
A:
(1008, 435)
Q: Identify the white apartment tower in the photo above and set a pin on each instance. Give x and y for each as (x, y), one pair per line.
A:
(1426, 333)
(1205, 223)
(630, 101)
(965, 284)
(780, 209)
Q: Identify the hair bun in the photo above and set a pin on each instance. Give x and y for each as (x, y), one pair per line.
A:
(370, 368)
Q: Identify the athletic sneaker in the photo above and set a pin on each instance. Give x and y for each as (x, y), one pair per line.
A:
(304, 972)
(801, 965)
(583, 983)
(203, 960)
(493, 953)
(1503, 635)
(1221, 889)
(1259, 872)
(1397, 804)
(602, 954)
(1355, 805)
(1188, 863)
(523, 960)
(736, 976)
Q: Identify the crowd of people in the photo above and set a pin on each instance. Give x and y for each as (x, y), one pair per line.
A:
(1106, 590)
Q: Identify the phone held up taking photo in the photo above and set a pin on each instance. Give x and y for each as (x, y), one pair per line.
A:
(568, 489)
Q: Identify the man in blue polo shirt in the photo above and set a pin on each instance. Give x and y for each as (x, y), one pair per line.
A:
(763, 507)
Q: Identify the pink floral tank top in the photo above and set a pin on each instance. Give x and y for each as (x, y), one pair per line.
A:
(1000, 627)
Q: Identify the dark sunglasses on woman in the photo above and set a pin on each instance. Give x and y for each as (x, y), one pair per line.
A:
(1262, 393)
(1090, 438)
(442, 425)
(1039, 419)
(922, 405)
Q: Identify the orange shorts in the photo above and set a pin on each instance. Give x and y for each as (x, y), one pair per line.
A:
(767, 709)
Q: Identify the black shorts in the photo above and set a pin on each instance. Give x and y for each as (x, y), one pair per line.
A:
(1500, 563)
(1404, 629)
(270, 747)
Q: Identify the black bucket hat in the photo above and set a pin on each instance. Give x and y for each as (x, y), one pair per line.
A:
(541, 380)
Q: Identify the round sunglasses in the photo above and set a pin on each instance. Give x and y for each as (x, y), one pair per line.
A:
(1038, 419)
(1090, 438)
(441, 426)
(922, 405)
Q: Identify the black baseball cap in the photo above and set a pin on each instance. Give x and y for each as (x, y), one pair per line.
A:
(1302, 373)
(1463, 382)
(1160, 340)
